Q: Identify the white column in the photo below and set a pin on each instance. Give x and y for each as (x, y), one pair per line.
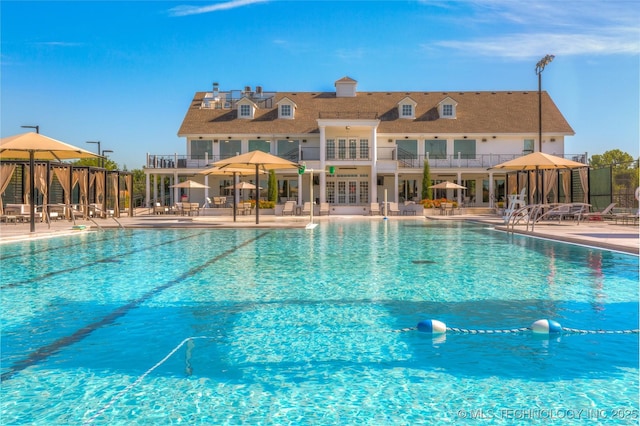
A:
(147, 190)
(176, 191)
(459, 190)
(396, 195)
(323, 166)
(491, 191)
(373, 179)
(155, 188)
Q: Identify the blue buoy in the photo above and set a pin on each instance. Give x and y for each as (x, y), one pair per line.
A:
(545, 326)
(432, 326)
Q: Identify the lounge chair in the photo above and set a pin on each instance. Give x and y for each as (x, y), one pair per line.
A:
(599, 215)
(393, 209)
(289, 208)
(374, 209)
(160, 209)
(324, 209)
(306, 208)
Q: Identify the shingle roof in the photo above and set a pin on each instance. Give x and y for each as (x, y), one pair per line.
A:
(476, 112)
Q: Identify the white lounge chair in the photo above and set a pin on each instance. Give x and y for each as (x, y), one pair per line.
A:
(289, 208)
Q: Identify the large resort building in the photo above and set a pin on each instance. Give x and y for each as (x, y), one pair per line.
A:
(364, 146)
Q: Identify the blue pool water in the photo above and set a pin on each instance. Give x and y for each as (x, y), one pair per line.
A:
(314, 327)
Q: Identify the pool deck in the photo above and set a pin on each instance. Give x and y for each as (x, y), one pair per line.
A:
(602, 234)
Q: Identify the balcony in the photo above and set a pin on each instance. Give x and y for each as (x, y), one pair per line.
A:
(402, 159)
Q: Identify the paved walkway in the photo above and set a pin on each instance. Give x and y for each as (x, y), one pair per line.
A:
(602, 234)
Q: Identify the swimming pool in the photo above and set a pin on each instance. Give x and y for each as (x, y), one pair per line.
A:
(314, 327)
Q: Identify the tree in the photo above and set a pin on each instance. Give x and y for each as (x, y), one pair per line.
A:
(427, 193)
(615, 158)
(96, 162)
(272, 187)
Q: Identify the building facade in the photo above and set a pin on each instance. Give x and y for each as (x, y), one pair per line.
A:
(364, 147)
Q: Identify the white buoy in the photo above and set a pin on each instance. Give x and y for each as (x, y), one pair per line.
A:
(432, 326)
(544, 326)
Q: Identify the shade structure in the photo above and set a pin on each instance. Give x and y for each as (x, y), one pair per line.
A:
(242, 185)
(230, 171)
(34, 146)
(447, 185)
(188, 184)
(258, 160)
(539, 161)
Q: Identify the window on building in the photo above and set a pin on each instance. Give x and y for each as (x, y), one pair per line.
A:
(528, 146)
(331, 149)
(364, 192)
(230, 148)
(436, 148)
(342, 149)
(353, 149)
(245, 110)
(289, 149)
(331, 192)
(259, 145)
(447, 110)
(285, 111)
(407, 110)
(364, 149)
(201, 146)
(466, 148)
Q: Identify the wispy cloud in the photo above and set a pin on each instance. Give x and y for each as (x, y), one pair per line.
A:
(197, 10)
(566, 28)
(59, 43)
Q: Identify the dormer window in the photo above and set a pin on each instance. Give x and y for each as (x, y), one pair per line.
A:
(286, 108)
(246, 108)
(245, 111)
(447, 108)
(407, 108)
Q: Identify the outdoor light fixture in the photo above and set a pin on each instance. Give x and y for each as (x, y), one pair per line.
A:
(97, 142)
(539, 68)
(32, 127)
(103, 156)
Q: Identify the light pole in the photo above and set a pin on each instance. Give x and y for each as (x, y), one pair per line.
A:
(539, 68)
(32, 127)
(32, 184)
(104, 156)
(99, 152)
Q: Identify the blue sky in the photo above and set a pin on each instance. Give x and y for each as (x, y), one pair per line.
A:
(125, 72)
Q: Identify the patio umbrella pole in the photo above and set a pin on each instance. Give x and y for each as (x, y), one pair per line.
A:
(257, 195)
(235, 195)
(32, 195)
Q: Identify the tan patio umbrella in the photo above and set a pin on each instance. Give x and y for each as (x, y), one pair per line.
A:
(188, 184)
(242, 185)
(217, 171)
(447, 185)
(539, 161)
(257, 160)
(34, 146)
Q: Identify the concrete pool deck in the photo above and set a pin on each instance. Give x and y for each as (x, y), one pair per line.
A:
(602, 234)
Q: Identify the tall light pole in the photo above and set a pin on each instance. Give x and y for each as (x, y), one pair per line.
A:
(32, 184)
(100, 162)
(32, 127)
(104, 156)
(539, 68)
